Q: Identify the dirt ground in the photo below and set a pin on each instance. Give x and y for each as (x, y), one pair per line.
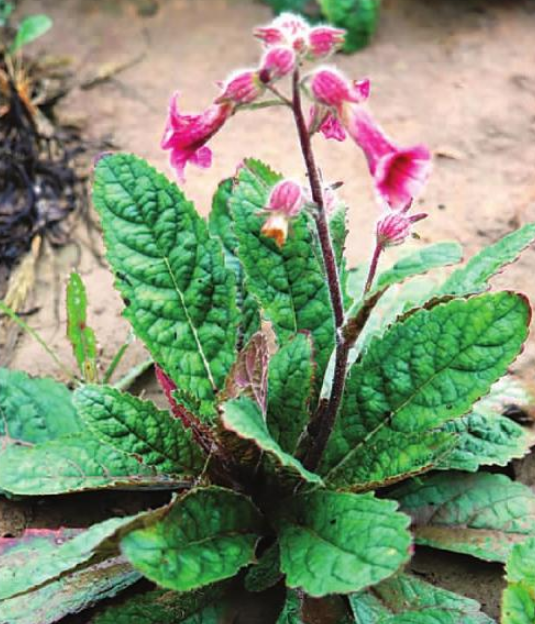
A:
(458, 75)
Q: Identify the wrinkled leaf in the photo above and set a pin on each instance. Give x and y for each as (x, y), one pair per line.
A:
(518, 604)
(207, 536)
(34, 409)
(266, 572)
(75, 463)
(422, 373)
(68, 594)
(81, 337)
(221, 224)
(335, 542)
(244, 418)
(179, 296)
(291, 371)
(481, 514)
(138, 428)
(474, 276)
(289, 282)
(291, 612)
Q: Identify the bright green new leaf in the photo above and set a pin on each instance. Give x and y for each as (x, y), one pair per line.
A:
(179, 296)
(481, 514)
(221, 224)
(162, 606)
(474, 276)
(288, 282)
(518, 604)
(207, 536)
(291, 372)
(359, 18)
(75, 463)
(139, 428)
(243, 417)
(70, 593)
(81, 337)
(336, 542)
(30, 29)
(34, 410)
(407, 599)
(422, 373)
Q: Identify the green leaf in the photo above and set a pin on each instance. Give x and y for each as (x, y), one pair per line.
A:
(180, 298)
(422, 373)
(70, 593)
(518, 605)
(289, 283)
(34, 409)
(291, 372)
(481, 514)
(41, 556)
(163, 606)
(335, 542)
(291, 612)
(266, 572)
(81, 337)
(221, 224)
(30, 29)
(207, 536)
(418, 262)
(75, 463)
(406, 598)
(243, 417)
(358, 17)
(474, 276)
(137, 427)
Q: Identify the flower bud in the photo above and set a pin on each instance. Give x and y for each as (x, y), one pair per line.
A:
(276, 63)
(324, 40)
(242, 88)
(285, 201)
(286, 197)
(287, 29)
(395, 227)
(331, 88)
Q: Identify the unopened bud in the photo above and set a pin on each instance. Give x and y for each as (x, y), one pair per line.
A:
(277, 63)
(394, 228)
(324, 40)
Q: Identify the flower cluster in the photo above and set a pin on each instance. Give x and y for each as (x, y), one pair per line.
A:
(339, 110)
(288, 41)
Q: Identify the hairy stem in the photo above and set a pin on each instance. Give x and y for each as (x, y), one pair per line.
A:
(373, 267)
(323, 421)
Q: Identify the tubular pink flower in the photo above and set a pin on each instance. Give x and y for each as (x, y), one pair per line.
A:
(331, 88)
(399, 173)
(185, 135)
(286, 201)
(243, 87)
(277, 62)
(395, 227)
(324, 40)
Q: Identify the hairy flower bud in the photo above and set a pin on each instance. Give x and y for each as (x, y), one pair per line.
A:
(243, 87)
(331, 88)
(286, 201)
(395, 227)
(287, 29)
(276, 63)
(324, 40)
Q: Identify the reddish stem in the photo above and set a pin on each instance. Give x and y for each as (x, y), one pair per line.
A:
(322, 424)
(373, 267)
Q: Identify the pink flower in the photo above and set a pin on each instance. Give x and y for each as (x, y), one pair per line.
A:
(399, 174)
(285, 201)
(186, 135)
(331, 128)
(277, 62)
(287, 29)
(324, 40)
(330, 88)
(243, 87)
(395, 227)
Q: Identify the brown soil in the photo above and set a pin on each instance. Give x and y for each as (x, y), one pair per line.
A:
(458, 75)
